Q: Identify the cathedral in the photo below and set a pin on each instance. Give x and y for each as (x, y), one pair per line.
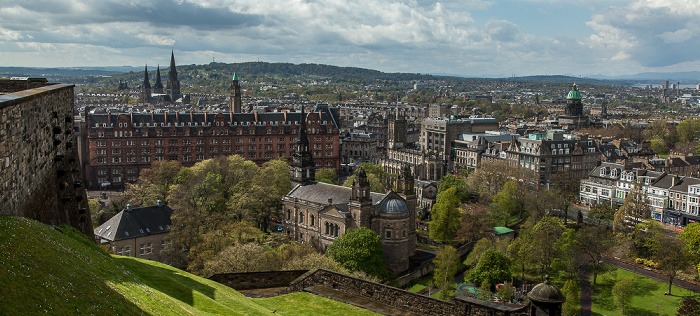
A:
(157, 94)
(317, 213)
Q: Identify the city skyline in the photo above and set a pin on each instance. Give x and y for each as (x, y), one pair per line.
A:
(468, 38)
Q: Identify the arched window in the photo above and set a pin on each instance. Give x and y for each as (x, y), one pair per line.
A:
(311, 222)
(301, 217)
(327, 229)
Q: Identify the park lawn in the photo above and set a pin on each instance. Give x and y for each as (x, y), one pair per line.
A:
(649, 296)
(302, 303)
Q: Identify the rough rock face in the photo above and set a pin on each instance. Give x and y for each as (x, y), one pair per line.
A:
(40, 174)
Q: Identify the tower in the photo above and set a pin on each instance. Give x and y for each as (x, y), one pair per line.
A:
(360, 202)
(574, 107)
(397, 132)
(235, 95)
(158, 87)
(172, 88)
(146, 90)
(302, 168)
(408, 193)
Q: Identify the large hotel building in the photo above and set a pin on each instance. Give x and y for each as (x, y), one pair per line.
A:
(115, 147)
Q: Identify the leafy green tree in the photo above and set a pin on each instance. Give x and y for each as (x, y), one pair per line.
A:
(326, 175)
(688, 130)
(485, 293)
(506, 203)
(623, 292)
(95, 207)
(602, 213)
(544, 242)
(479, 249)
(672, 255)
(493, 266)
(445, 216)
(446, 264)
(505, 292)
(594, 242)
(635, 209)
(450, 181)
(572, 292)
(377, 177)
(359, 249)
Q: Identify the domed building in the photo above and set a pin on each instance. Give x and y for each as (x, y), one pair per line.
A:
(573, 117)
(317, 213)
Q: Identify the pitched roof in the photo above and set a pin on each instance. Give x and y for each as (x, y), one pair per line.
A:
(137, 222)
(320, 192)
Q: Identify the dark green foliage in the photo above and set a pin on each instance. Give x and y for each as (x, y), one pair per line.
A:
(359, 250)
(445, 215)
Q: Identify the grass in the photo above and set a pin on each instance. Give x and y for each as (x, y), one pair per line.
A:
(45, 271)
(302, 303)
(649, 298)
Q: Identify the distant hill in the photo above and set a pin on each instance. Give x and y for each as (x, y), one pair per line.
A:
(566, 79)
(44, 271)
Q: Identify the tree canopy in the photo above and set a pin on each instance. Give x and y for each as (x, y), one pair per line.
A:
(445, 216)
(359, 249)
(493, 266)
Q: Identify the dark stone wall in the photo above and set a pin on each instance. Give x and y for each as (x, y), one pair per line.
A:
(40, 174)
(257, 280)
(405, 300)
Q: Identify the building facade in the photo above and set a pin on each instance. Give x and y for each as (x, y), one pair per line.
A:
(673, 199)
(117, 146)
(139, 232)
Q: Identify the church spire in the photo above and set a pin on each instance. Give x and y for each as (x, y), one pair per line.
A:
(158, 87)
(302, 168)
(173, 86)
(146, 88)
(235, 95)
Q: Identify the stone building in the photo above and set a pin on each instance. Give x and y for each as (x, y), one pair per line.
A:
(156, 94)
(40, 176)
(358, 147)
(573, 116)
(470, 149)
(317, 213)
(117, 146)
(137, 231)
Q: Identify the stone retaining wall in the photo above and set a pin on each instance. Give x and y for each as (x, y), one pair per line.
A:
(257, 280)
(404, 300)
(40, 176)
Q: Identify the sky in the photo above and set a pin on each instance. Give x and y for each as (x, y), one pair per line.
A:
(480, 38)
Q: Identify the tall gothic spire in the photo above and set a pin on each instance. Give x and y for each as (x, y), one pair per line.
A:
(302, 168)
(146, 87)
(173, 86)
(235, 95)
(158, 87)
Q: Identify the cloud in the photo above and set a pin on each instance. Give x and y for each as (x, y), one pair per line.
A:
(652, 33)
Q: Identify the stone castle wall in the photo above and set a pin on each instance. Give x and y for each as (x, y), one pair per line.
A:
(404, 300)
(40, 176)
(257, 280)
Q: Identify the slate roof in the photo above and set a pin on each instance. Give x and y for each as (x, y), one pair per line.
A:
(320, 192)
(137, 222)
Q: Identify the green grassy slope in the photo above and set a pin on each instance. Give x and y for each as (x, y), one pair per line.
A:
(45, 271)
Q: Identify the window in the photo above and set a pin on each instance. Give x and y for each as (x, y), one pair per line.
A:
(101, 143)
(388, 234)
(142, 250)
(116, 143)
(172, 142)
(149, 248)
(162, 244)
(127, 251)
(145, 143)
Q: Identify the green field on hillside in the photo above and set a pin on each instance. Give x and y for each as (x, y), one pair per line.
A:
(43, 270)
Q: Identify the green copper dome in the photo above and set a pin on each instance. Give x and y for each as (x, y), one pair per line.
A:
(235, 77)
(574, 93)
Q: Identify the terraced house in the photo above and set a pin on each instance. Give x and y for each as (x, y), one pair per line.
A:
(673, 199)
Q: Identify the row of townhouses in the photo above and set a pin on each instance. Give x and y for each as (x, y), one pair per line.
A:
(674, 199)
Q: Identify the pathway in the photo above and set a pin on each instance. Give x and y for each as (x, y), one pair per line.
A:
(586, 291)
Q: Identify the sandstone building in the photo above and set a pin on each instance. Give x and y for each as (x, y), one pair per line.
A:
(317, 213)
(137, 231)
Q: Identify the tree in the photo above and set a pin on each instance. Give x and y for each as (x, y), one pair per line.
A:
(594, 242)
(488, 179)
(505, 292)
(623, 291)
(689, 307)
(450, 181)
(446, 264)
(474, 223)
(602, 214)
(566, 189)
(688, 130)
(94, 206)
(359, 249)
(544, 239)
(377, 177)
(326, 175)
(153, 184)
(493, 266)
(506, 203)
(445, 216)
(485, 293)
(635, 209)
(672, 255)
(572, 292)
